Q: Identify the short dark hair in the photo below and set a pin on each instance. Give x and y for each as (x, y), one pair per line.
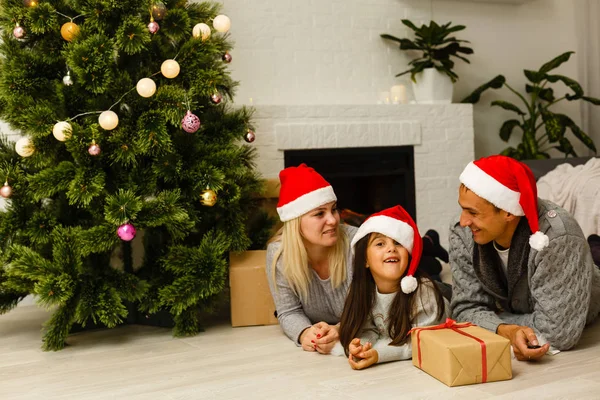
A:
(497, 209)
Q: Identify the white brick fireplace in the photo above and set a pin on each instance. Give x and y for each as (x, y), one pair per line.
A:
(442, 136)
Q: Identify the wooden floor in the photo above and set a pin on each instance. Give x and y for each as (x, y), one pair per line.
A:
(137, 362)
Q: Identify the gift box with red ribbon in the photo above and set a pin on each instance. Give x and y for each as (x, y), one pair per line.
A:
(461, 353)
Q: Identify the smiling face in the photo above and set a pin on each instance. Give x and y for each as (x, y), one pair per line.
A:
(319, 227)
(387, 260)
(487, 223)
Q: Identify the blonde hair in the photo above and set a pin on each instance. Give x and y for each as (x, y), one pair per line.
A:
(295, 259)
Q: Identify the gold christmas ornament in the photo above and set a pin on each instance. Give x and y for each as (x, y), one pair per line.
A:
(170, 69)
(24, 147)
(222, 23)
(108, 120)
(201, 31)
(62, 130)
(146, 87)
(69, 30)
(208, 198)
(159, 10)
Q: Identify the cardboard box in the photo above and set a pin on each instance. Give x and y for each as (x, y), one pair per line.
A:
(251, 301)
(455, 359)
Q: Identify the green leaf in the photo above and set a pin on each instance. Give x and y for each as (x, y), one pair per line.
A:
(554, 63)
(571, 83)
(507, 128)
(406, 44)
(592, 100)
(585, 139)
(555, 125)
(546, 94)
(512, 152)
(390, 37)
(566, 147)
(507, 106)
(495, 83)
(412, 26)
(533, 76)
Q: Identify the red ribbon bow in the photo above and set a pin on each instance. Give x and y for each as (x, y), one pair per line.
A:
(451, 324)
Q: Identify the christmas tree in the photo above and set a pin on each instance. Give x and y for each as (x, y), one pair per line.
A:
(124, 108)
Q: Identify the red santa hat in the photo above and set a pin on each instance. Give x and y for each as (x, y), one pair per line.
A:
(509, 185)
(302, 189)
(397, 224)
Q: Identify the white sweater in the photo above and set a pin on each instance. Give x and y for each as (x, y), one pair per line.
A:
(376, 332)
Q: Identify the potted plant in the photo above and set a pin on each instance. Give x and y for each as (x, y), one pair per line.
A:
(541, 128)
(431, 72)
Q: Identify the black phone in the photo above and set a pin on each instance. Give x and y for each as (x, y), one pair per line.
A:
(530, 346)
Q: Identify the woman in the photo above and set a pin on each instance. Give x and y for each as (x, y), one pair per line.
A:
(309, 260)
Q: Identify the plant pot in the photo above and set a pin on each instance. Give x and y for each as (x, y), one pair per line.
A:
(432, 87)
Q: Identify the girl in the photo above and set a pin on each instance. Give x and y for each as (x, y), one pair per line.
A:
(308, 261)
(388, 295)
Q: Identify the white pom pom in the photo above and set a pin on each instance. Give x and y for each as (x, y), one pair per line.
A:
(408, 284)
(538, 241)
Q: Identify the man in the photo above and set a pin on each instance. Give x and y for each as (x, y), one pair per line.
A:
(527, 288)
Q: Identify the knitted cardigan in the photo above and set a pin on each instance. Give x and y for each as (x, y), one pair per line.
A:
(555, 291)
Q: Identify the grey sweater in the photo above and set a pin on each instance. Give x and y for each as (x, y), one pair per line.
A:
(555, 291)
(323, 303)
(376, 332)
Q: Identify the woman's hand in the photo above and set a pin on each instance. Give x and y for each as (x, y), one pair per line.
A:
(308, 338)
(361, 356)
(326, 337)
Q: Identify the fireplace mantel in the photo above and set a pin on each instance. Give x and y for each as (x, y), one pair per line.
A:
(442, 136)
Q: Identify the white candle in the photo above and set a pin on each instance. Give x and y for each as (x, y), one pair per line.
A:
(399, 94)
(384, 98)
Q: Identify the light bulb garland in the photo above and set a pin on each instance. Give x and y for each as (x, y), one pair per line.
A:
(146, 87)
(69, 30)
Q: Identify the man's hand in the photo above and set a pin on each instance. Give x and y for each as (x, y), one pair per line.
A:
(520, 337)
(361, 356)
(326, 337)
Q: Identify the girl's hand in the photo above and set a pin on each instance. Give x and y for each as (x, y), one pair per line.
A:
(327, 337)
(360, 356)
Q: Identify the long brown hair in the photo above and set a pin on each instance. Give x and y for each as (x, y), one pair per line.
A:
(361, 298)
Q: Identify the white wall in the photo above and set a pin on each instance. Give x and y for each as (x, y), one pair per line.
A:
(329, 51)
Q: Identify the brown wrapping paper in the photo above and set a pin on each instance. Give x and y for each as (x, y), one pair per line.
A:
(251, 301)
(456, 360)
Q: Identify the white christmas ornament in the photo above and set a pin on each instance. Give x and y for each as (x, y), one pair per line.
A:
(201, 31)
(146, 87)
(62, 130)
(222, 23)
(108, 120)
(24, 147)
(170, 69)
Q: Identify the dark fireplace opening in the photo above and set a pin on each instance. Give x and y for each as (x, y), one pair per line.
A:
(366, 179)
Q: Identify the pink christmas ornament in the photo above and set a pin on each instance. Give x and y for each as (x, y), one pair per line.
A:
(126, 232)
(94, 149)
(5, 191)
(190, 123)
(19, 32)
(227, 58)
(153, 27)
(250, 136)
(216, 98)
